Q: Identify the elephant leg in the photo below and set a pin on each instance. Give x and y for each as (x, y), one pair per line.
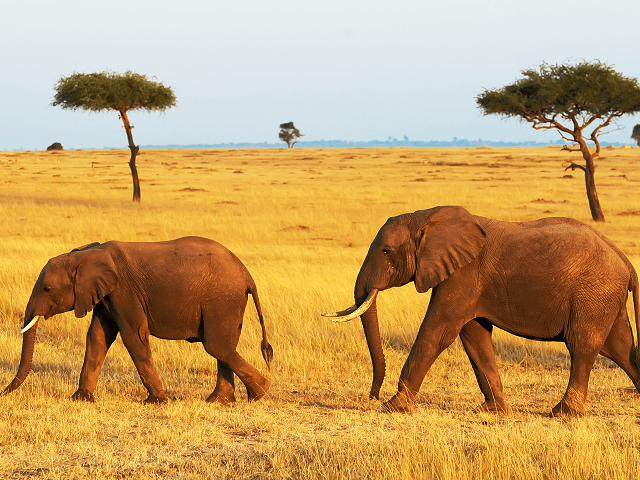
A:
(620, 347)
(585, 338)
(143, 360)
(257, 385)
(438, 330)
(134, 332)
(222, 329)
(225, 385)
(102, 333)
(476, 340)
(575, 397)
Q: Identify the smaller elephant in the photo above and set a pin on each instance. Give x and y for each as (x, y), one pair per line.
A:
(554, 279)
(191, 289)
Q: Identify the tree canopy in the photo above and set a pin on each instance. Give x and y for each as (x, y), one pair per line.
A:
(580, 101)
(289, 134)
(107, 90)
(96, 92)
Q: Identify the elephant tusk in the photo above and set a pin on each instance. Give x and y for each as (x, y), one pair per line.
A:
(354, 311)
(342, 313)
(31, 323)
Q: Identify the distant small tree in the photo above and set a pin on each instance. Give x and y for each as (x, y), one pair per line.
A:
(578, 101)
(289, 134)
(97, 92)
(635, 135)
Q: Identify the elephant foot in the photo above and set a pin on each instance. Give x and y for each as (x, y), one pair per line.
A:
(400, 403)
(492, 407)
(571, 405)
(155, 400)
(564, 409)
(83, 396)
(222, 399)
(256, 391)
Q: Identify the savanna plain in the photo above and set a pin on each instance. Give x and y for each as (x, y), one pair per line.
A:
(301, 220)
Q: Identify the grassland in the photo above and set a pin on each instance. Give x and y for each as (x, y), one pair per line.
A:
(301, 220)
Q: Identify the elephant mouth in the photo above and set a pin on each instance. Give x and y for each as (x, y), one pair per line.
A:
(353, 311)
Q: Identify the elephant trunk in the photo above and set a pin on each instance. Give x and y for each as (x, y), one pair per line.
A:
(372, 334)
(28, 342)
(366, 284)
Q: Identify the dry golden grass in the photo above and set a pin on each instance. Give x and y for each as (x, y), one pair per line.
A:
(301, 220)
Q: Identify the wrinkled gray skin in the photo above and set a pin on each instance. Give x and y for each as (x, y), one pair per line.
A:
(554, 279)
(190, 289)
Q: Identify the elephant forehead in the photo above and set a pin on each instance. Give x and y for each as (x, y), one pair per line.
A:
(393, 232)
(54, 269)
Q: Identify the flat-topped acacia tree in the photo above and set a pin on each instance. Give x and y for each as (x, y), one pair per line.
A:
(578, 101)
(98, 92)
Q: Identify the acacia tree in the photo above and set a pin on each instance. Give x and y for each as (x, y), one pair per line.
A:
(578, 101)
(289, 134)
(635, 134)
(97, 92)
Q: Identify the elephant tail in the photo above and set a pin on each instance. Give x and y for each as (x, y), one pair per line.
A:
(267, 350)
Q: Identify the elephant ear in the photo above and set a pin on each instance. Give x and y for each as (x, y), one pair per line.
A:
(96, 277)
(449, 240)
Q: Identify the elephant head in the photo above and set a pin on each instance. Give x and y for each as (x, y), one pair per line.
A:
(425, 247)
(74, 281)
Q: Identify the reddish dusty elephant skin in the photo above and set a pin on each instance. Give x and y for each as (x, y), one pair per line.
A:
(554, 279)
(190, 289)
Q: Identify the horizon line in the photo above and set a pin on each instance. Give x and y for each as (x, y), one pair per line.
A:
(391, 143)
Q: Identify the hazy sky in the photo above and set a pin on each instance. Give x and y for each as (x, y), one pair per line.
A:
(341, 70)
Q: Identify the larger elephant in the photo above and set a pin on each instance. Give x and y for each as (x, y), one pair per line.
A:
(554, 279)
(190, 289)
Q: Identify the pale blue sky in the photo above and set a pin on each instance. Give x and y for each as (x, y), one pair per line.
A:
(341, 70)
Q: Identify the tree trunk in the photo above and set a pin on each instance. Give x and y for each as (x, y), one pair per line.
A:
(134, 151)
(589, 177)
(134, 173)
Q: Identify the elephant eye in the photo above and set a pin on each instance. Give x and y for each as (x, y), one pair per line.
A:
(385, 251)
(46, 289)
